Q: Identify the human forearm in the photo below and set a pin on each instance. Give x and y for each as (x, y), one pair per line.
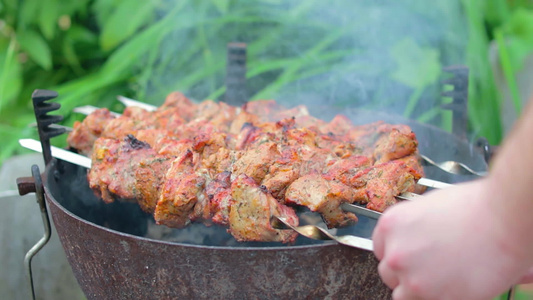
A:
(510, 186)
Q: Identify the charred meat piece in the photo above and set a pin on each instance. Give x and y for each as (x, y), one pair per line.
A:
(292, 113)
(113, 164)
(156, 138)
(133, 119)
(241, 119)
(249, 216)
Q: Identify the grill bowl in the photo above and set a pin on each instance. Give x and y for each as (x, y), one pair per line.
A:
(115, 254)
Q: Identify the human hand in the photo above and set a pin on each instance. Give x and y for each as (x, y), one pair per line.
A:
(527, 278)
(449, 245)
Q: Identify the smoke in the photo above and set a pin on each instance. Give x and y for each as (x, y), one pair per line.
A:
(379, 55)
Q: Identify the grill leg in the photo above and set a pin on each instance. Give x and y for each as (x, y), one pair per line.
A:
(35, 185)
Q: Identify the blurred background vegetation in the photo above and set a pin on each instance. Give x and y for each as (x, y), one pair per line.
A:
(380, 55)
(383, 55)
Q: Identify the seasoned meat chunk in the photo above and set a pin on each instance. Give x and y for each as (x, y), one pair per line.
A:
(339, 125)
(344, 170)
(241, 119)
(396, 143)
(85, 133)
(323, 196)
(149, 177)
(113, 164)
(384, 142)
(182, 104)
(179, 193)
(218, 193)
(256, 163)
(249, 216)
(385, 181)
(263, 108)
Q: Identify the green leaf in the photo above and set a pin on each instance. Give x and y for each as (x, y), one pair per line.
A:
(103, 10)
(27, 13)
(277, 2)
(221, 5)
(36, 47)
(80, 34)
(518, 34)
(508, 71)
(71, 7)
(417, 67)
(70, 56)
(10, 74)
(121, 59)
(483, 96)
(125, 21)
(49, 14)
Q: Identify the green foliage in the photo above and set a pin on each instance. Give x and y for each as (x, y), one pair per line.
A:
(417, 68)
(114, 28)
(383, 56)
(36, 48)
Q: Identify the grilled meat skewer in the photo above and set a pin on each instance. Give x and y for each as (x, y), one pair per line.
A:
(186, 162)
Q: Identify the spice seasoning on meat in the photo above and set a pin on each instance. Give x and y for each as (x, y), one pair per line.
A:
(236, 166)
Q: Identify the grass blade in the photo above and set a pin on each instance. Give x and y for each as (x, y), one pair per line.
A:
(508, 71)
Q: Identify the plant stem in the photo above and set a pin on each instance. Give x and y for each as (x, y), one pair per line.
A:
(7, 67)
(413, 101)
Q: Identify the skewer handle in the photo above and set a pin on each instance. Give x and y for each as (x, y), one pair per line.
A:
(41, 109)
(236, 90)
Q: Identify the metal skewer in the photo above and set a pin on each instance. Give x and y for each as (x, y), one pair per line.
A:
(452, 167)
(58, 153)
(317, 233)
(359, 210)
(130, 102)
(55, 126)
(363, 211)
(89, 109)
(84, 161)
